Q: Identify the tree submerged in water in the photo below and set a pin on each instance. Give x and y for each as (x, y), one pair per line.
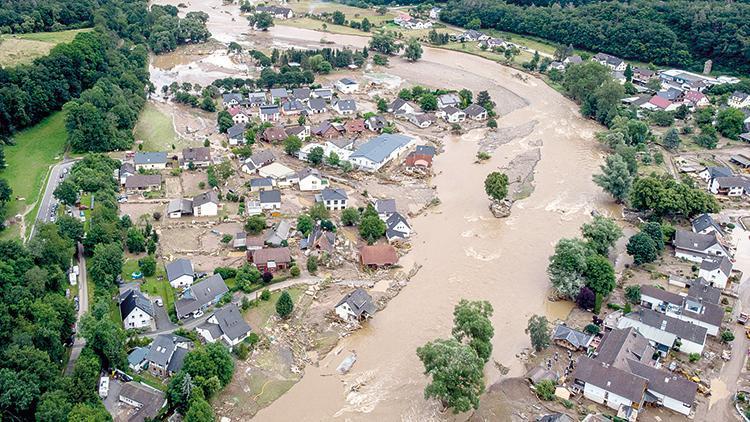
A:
(496, 187)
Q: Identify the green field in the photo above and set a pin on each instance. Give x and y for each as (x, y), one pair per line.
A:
(36, 149)
(151, 285)
(155, 129)
(24, 48)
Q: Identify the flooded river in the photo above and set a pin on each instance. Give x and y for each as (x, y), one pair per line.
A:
(464, 251)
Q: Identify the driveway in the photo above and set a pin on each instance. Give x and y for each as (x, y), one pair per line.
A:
(162, 319)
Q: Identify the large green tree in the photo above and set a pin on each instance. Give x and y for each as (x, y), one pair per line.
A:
(472, 326)
(601, 234)
(496, 185)
(456, 372)
(567, 266)
(615, 178)
(538, 331)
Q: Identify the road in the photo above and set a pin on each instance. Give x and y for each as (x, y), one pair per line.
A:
(48, 199)
(83, 306)
(192, 323)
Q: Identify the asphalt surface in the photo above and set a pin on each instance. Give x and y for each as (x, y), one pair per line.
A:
(48, 199)
(83, 302)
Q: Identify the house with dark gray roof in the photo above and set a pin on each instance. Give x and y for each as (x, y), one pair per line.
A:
(279, 233)
(257, 160)
(702, 290)
(150, 160)
(375, 153)
(319, 240)
(476, 112)
(695, 247)
(126, 170)
(163, 351)
(270, 199)
(316, 105)
(269, 113)
(146, 400)
(694, 310)
(397, 228)
(731, 186)
(705, 224)
(279, 94)
(197, 157)
(385, 207)
(710, 173)
(716, 271)
(294, 107)
(302, 94)
(376, 123)
(231, 99)
(259, 184)
(345, 106)
(206, 204)
(614, 63)
(571, 339)
(179, 207)
(137, 359)
(324, 93)
(355, 306)
(180, 273)
(666, 332)
(137, 310)
(256, 99)
(226, 324)
(333, 199)
(201, 295)
(142, 183)
(236, 134)
(400, 107)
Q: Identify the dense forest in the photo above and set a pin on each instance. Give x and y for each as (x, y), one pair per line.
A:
(680, 33)
(21, 16)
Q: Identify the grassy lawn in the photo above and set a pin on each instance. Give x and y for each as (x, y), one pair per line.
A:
(263, 310)
(351, 12)
(36, 149)
(471, 48)
(151, 285)
(24, 48)
(115, 315)
(155, 129)
(148, 379)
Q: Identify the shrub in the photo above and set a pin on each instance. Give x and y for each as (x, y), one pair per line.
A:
(598, 304)
(253, 339)
(294, 271)
(312, 264)
(694, 357)
(592, 329)
(545, 390)
(265, 295)
(267, 277)
(727, 336)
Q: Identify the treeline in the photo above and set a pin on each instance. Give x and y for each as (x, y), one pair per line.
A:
(23, 16)
(168, 30)
(673, 32)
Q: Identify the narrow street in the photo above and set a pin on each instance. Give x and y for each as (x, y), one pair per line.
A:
(47, 199)
(83, 306)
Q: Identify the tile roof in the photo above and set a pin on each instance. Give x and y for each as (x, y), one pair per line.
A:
(150, 157)
(379, 254)
(359, 301)
(178, 268)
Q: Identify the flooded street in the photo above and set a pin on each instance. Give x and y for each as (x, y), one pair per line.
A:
(464, 251)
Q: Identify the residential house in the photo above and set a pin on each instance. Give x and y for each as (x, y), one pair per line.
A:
(354, 126)
(147, 401)
(166, 354)
(328, 130)
(705, 224)
(435, 13)
(559, 66)
(416, 159)
(316, 105)
(696, 310)
(376, 152)
(150, 160)
(347, 86)
(260, 184)
(376, 123)
(179, 207)
(206, 204)
(196, 298)
(378, 255)
(269, 113)
(197, 157)
(126, 170)
(136, 310)
(476, 112)
(345, 107)
(255, 242)
(615, 63)
(425, 150)
(571, 339)
(271, 259)
(421, 120)
(278, 234)
(471, 35)
(239, 116)
(697, 99)
(385, 208)
(256, 99)
(716, 271)
(226, 324)
(322, 93)
(301, 132)
(710, 173)
(452, 114)
(449, 100)
(137, 359)
(319, 240)
(333, 199)
(138, 183)
(301, 94)
(180, 273)
(696, 247)
(281, 174)
(643, 74)
(273, 134)
(672, 94)
(311, 180)
(659, 103)
(270, 200)
(240, 240)
(575, 59)
(728, 186)
(355, 306)
(401, 107)
(665, 332)
(293, 107)
(257, 160)
(279, 94)
(702, 290)
(739, 100)
(236, 134)
(252, 207)
(276, 12)
(231, 100)
(492, 43)
(397, 228)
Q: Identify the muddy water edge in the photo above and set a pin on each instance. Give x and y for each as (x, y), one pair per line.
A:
(463, 250)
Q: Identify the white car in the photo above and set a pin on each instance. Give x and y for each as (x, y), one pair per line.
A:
(158, 302)
(198, 314)
(103, 387)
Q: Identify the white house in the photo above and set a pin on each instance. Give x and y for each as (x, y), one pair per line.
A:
(696, 247)
(703, 311)
(150, 160)
(136, 310)
(206, 204)
(716, 271)
(401, 107)
(730, 186)
(609, 385)
(270, 200)
(281, 174)
(615, 63)
(269, 113)
(421, 120)
(705, 224)
(347, 86)
(231, 100)
(239, 116)
(453, 115)
(345, 107)
(396, 227)
(180, 273)
(179, 207)
(355, 306)
(476, 112)
(739, 100)
(376, 152)
(449, 100)
(311, 180)
(333, 199)
(226, 324)
(710, 173)
(666, 332)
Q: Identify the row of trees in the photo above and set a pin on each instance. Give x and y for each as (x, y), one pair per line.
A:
(167, 30)
(23, 16)
(672, 32)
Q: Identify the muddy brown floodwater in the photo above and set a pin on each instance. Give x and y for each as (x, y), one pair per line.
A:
(463, 250)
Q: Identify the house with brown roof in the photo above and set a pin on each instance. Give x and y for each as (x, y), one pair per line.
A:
(198, 157)
(142, 183)
(328, 130)
(378, 256)
(270, 259)
(273, 134)
(354, 126)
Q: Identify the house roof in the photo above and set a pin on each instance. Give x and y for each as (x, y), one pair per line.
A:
(270, 197)
(359, 301)
(294, 105)
(379, 254)
(309, 171)
(723, 182)
(695, 242)
(274, 133)
(135, 299)
(394, 219)
(660, 102)
(279, 233)
(739, 96)
(150, 158)
(474, 110)
(397, 104)
(381, 147)
(269, 109)
(449, 99)
(260, 182)
(260, 158)
(348, 81)
(704, 221)
(231, 96)
(196, 154)
(138, 355)
(256, 96)
(323, 92)
(230, 321)
(183, 206)
(420, 118)
(666, 323)
(301, 93)
(346, 105)
(661, 294)
(150, 399)
(670, 94)
(163, 347)
(665, 383)
(376, 122)
(317, 104)
(279, 93)
(205, 198)
(201, 294)
(319, 238)
(714, 171)
(425, 150)
(263, 256)
(722, 264)
(700, 289)
(142, 181)
(623, 344)
(610, 378)
(355, 125)
(127, 168)
(450, 110)
(178, 268)
(385, 206)
(237, 131)
(608, 58)
(333, 194)
(178, 358)
(574, 337)
(343, 143)
(295, 130)
(276, 171)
